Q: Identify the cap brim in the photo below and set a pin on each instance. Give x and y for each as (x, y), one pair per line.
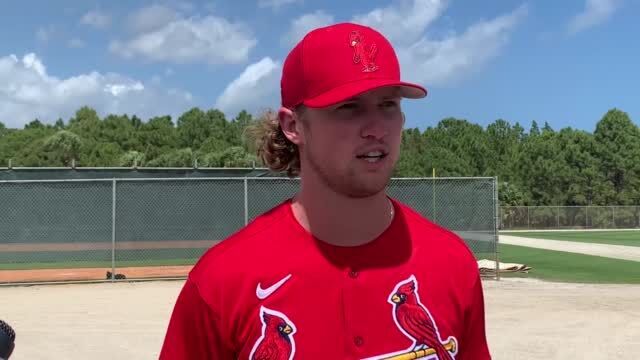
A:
(350, 90)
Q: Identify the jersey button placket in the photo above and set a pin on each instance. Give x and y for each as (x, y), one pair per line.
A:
(351, 305)
(358, 341)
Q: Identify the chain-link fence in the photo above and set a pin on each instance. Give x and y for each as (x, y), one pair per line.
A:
(569, 217)
(67, 230)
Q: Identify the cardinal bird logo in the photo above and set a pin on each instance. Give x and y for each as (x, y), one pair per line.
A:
(415, 321)
(362, 53)
(276, 342)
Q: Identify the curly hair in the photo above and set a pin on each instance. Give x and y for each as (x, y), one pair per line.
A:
(271, 146)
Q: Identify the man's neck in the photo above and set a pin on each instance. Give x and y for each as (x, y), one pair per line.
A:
(340, 220)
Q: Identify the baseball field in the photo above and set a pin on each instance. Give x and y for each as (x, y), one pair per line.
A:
(569, 305)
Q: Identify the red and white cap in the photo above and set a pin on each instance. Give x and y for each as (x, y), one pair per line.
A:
(334, 63)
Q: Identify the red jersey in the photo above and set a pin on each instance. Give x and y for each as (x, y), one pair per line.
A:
(272, 291)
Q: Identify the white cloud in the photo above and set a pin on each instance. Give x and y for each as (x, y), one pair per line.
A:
(44, 34)
(276, 4)
(595, 12)
(438, 62)
(27, 92)
(76, 43)
(405, 22)
(162, 34)
(305, 23)
(254, 90)
(96, 19)
(152, 18)
(442, 62)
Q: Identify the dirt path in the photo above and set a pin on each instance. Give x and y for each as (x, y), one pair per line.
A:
(606, 250)
(530, 319)
(525, 320)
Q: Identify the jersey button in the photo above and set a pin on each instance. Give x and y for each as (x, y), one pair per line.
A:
(358, 340)
(353, 274)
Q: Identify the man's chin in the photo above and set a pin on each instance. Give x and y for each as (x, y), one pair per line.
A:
(367, 187)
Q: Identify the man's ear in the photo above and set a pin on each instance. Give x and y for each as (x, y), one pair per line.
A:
(290, 125)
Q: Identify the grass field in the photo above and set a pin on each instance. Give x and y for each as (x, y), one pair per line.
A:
(628, 238)
(570, 267)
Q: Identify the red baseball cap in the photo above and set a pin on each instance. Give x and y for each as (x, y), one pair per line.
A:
(334, 63)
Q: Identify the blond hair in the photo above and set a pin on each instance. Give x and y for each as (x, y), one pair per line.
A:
(271, 146)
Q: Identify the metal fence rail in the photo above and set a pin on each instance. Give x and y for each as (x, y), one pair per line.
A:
(569, 217)
(113, 224)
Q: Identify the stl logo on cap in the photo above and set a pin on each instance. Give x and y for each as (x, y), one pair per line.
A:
(366, 54)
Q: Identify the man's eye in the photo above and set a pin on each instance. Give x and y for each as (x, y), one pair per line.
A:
(348, 106)
(390, 104)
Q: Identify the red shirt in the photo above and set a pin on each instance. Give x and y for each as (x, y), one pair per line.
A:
(272, 291)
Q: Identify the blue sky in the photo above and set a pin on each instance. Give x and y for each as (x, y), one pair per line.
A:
(565, 62)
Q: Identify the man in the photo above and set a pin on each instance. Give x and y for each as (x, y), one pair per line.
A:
(7, 340)
(341, 270)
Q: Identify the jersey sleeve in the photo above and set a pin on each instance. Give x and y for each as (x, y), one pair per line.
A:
(194, 330)
(474, 344)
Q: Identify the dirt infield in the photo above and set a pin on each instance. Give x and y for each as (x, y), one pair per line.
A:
(526, 319)
(91, 274)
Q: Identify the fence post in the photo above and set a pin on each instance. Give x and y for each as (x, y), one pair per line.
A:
(586, 217)
(558, 217)
(613, 216)
(528, 220)
(246, 202)
(495, 224)
(113, 231)
(433, 193)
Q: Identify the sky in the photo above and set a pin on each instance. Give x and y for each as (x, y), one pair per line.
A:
(562, 62)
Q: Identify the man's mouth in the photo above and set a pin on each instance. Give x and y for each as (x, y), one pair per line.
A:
(372, 156)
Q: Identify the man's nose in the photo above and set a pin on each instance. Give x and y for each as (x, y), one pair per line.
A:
(376, 124)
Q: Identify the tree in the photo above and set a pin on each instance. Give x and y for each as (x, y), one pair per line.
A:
(503, 142)
(618, 147)
(132, 158)
(176, 158)
(237, 127)
(59, 125)
(541, 167)
(157, 136)
(63, 147)
(462, 142)
(86, 123)
(535, 131)
(100, 154)
(235, 156)
(510, 194)
(119, 130)
(35, 124)
(193, 128)
(541, 170)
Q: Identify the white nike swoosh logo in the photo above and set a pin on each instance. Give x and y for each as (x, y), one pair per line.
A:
(264, 293)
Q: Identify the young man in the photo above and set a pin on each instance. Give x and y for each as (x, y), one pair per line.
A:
(341, 270)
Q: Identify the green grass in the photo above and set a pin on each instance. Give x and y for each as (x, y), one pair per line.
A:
(628, 238)
(569, 267)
